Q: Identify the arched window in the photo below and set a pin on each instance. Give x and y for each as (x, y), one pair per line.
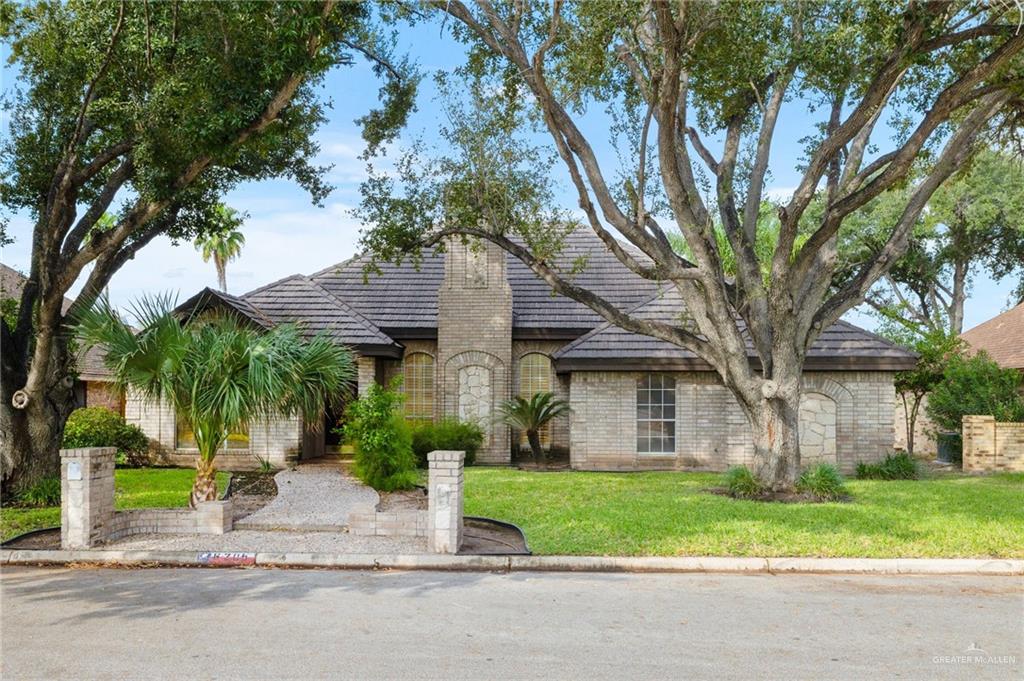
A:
(656, 414)
(535, 377)
(419, 386)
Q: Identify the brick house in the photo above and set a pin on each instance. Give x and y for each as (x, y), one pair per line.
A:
(472, 327)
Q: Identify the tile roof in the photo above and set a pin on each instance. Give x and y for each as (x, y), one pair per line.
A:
(842, 343)
(1002, 337)
(403, 297)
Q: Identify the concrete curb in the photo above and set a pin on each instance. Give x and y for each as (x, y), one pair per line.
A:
(348, 561)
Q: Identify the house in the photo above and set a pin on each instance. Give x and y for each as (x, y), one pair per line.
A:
(471, 327)
(1002, 337)
(93, 386)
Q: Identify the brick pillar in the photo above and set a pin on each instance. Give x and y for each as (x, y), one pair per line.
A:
(214, 517)
(444, 505)
(979, 443)
(86, 496)
(367, 368)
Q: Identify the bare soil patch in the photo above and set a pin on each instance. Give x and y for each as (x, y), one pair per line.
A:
(251, 491)
(780, 497)
(404, 500)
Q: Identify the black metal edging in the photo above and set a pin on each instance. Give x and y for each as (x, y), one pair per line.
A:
(509, 525)
(24, 535)
(227, 487)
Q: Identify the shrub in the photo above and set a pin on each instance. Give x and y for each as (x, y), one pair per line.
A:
(46, 492)
(448, 433)
(100, 427)
(975, 385)
(822, 481)
(896, 466)
(741, 483)
(382, 439)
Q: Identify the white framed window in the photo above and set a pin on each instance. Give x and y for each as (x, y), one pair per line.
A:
(656, 414)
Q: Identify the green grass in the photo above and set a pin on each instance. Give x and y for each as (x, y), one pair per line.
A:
(133, 488)
(670, 514)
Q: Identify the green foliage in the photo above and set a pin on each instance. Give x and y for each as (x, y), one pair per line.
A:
(975, 385)
(896, 466)
(216, 371)
(223, 242)
(450, 434)
(530, 415)
(264, 464)
(9, 312)
(742, 483)
(823, 481)
(382, 439)
(935, 350)
(45, 492)
(100, 427)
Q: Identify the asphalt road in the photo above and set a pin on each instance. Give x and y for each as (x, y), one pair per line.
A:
(262, 624)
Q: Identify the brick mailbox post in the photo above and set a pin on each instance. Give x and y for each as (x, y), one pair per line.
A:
(444, 501)
(87, 515)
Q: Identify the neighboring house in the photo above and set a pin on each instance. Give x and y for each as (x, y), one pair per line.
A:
(1002, 337)
(471, 328)
(93, 387)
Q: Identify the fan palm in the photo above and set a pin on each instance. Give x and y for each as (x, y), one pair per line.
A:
(530, 415)
(223, 243)
(217, 372)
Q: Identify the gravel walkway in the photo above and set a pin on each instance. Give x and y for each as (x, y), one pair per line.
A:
(310, 498)
(269, 541)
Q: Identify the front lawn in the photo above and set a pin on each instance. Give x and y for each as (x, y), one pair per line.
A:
(133, 488)
(669, 514)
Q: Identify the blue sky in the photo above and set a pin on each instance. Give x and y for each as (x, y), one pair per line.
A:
(286, 234)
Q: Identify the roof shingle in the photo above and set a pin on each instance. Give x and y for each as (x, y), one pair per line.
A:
(1002, 337)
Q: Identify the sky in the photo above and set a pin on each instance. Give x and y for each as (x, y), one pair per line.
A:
(286, 234)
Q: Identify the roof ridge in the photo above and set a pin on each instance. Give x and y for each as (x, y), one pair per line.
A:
(348, 309)
(266, 286)
(576, 341)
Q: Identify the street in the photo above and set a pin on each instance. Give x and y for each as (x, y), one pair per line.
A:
(263, 624)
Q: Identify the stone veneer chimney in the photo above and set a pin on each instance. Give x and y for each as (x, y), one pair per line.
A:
(474, 340)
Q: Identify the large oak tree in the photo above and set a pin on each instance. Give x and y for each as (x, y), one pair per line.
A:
(697, 94)
(148, 112)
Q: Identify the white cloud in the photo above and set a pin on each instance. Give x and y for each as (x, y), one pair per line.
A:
(779, 193)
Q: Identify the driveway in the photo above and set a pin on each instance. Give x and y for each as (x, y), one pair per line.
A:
(248, 624)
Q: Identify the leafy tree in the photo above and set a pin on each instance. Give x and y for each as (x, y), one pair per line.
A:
(150, 112)
(935, 351)
(973, 223)
(223, 242)
(217, 373)
(975, 385)
(673, 77)
(531, 415)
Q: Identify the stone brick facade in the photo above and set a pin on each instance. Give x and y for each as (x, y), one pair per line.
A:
(992, 446)
(474, 341)
(711, 432)
(280, 441)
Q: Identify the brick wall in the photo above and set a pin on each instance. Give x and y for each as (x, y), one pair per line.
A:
(278, 440)
(559, 384)
(711, 431)
(474, 340)
(991, 445)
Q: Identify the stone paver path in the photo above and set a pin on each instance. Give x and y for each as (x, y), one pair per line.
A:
(311, 498)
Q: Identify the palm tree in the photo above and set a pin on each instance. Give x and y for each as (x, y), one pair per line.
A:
(223, 242)
(532, 415)
(217, 372)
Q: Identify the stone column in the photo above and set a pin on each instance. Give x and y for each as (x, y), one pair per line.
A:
(444, 505)
(979, 442)
(86, 496)
(367, 373)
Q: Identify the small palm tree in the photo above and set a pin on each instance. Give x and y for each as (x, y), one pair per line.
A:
(223, 242)
(217, 372)
(531, 415)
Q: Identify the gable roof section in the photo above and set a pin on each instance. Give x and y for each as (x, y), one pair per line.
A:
(402, 300)
(300, 300)
(1002, 337)
(296, 299)
(841, 346)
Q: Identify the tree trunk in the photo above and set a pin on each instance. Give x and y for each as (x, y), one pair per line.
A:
(533, 437)
(775, 426)
(30, 438)
(205, 486)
